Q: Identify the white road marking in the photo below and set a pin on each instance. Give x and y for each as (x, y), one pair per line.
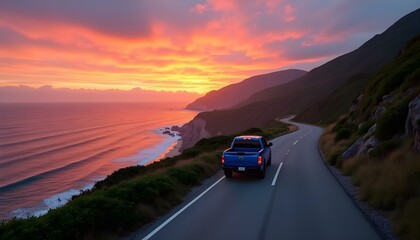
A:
(295, 142)
(277, 174)
(180, 211)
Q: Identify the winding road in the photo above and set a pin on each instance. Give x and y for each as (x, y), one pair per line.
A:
(298, 199)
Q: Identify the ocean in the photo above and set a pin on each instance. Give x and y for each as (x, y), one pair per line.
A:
(51, 151)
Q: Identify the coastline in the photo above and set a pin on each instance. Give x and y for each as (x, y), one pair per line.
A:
(174, 150)
(147, 156)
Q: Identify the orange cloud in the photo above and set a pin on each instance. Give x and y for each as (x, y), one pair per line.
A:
(195, 46)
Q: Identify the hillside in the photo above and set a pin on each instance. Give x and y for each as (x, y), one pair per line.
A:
(335, 104)
(302, 93)
(377, 140)
(367, 59)
(235, 93)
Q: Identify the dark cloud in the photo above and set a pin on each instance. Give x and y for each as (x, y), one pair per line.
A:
(126, 18)
(300, 50)
(120, 18)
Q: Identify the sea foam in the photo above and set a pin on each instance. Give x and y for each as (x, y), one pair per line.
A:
(55, 201)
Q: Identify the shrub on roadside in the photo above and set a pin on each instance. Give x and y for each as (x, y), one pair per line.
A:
(333, 159)
(385, 148)
(408, 219)
(364, 128)
(184, 176)
(350, 166)
(392, 122)
(343, 133)
(389, 182)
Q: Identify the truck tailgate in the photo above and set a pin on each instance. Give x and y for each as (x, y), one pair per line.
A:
(241, 158)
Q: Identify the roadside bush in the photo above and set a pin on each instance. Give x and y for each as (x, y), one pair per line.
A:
(385, 148)
(333, 159)
(408, 220)
(387, 183)
(364, 128)
(120, 175)
(350, 166)
(340, 124)
(184, 176)
(343, 133)
(392, 122)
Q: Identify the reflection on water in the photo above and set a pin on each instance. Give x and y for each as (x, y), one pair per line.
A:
(51, 148)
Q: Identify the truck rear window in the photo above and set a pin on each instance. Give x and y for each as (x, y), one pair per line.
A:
(246, 143)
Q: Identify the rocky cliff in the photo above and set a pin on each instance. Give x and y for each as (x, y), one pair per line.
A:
(192, 132)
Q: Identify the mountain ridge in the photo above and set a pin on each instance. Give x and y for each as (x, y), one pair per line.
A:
(235, 93)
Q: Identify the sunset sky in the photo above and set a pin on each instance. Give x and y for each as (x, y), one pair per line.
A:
(173, 45)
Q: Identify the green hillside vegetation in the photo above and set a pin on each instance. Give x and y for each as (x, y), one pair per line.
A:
(399, 75)
(336, 104)
(130, 197)
(389, 175)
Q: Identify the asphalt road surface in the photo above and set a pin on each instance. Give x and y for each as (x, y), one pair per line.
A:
(298, 199)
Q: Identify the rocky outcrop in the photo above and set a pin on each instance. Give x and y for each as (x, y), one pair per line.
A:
(192, 132)
(363, 145)
(379, 110)
(412, 125)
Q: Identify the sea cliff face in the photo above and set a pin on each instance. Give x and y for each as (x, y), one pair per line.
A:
(192, 132)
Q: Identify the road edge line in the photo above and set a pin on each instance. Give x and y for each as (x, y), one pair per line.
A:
(273, 183)
(181, 210)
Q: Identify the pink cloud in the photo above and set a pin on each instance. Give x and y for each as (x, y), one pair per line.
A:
(272, 5)
(223, 5)
(196, 45)
(289, 13)
(199, 8)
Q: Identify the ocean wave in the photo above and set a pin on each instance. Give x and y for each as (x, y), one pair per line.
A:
(142, 157)
(148, 155)
(50, 151)
(42, 175)
(55, 201)
(67, 133)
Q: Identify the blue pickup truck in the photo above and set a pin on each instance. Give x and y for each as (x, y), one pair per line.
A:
(247, 154)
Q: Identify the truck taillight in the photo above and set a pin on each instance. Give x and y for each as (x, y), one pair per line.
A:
(259, 160)
(223, 159)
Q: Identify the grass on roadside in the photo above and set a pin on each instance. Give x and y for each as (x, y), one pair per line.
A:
(388, 178)
(332, 148)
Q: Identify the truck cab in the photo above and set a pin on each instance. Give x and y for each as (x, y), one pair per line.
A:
(247, 154)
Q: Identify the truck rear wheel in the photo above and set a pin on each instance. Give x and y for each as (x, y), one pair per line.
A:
(228, 173)
(261, 175)
(269, 161)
